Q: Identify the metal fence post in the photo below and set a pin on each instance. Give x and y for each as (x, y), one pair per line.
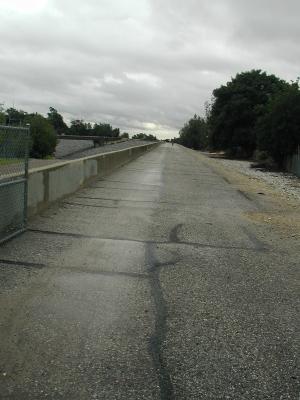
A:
(26, 166)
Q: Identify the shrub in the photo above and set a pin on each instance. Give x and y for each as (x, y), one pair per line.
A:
(194, 134)
(2, 118)
(43, 136)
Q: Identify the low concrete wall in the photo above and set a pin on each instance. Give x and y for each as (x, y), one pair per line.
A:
(52, 183)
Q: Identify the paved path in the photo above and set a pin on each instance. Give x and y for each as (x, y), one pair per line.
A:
(150, 284)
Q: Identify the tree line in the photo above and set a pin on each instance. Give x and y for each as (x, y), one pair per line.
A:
(45, 131)
(253, 115)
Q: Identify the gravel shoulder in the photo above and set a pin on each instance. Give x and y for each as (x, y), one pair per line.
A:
(275, 196)
(283, 182)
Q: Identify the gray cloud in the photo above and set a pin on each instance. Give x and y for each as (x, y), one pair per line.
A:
(142, 65)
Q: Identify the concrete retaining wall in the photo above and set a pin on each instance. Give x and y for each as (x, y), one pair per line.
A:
(52, 183)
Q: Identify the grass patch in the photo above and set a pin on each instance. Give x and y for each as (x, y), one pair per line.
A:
(8, 161)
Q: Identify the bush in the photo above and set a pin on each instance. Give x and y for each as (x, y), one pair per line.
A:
(260, 155)
(43, 136)
(194, 134)
(278, 131)
(2, 118)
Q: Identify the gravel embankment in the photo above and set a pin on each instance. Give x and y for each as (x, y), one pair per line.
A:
(66, 148)
(284, 182)
(72, 149)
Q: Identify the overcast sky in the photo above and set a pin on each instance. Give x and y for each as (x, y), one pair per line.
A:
(141, 65)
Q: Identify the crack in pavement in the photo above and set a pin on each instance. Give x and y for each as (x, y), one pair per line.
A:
(129, 189)
(86, 205)
(174, 234)
(245, 195)
(155, 242)
(126, 200)
(158, 337)
(140, 207)
(258, 244)
(27, 264)
(24, 264)
(130, 183)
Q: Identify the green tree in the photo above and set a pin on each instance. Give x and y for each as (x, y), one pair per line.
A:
(140, 136)
(116, 132)
(79, 127)
(236, 108)
(144, 136)
(194, 134)
(105, 130)
(278, 131)
(15, 117)
(2, 118)
(57, 121)
(43, 136)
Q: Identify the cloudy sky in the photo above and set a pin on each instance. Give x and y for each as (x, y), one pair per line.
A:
(141, 65)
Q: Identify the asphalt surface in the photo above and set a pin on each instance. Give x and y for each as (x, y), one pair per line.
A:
(150, 284)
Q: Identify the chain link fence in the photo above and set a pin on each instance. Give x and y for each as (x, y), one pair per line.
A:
(14, 149)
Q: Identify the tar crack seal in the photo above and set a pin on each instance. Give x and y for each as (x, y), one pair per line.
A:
(158, 338)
